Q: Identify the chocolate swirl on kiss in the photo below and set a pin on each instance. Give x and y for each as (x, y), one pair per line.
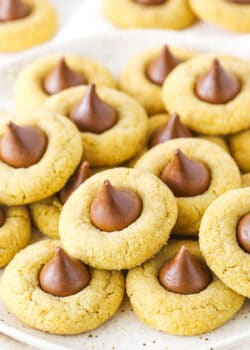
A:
(93, 114)
(22, 146)
(217, 86)
(11, 10)
(114, 209)
(186, 177)
(63, 276)
(159, 69)
(62, 77)
(185, 274)
(173, 129)
(243, 233)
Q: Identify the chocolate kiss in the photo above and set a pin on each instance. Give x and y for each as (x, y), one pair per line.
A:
(172, 130)
(92, 114)
(217, 86)
(186, 177)
(159, 69)
(151, 2)
(113, 209)
(2, 217)
(243, 233)
(82, 173)
(11, 10)
(62, 77)
(22, 146)
(185, 274)
(63, 276)
(241, 2)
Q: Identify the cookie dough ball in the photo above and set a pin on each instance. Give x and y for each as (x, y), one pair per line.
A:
(197, 171)
(143, 75)
(211, 94)
(179, 307)
(113, 125)
(171, 14)
(38, 153)
(117, 219)
(224, 239)
(239, 147)
(37, 287)
(25, 23)
(51, 74)
(15, 231)
(229, 14)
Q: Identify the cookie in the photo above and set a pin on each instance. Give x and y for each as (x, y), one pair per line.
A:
(24, 24)
(223, 108)
(136, 81)
(106, 147)
(94, 224)
(219, 175)
(239, 146)
(245, 180)
(173, 312)
(23, 294)
(38, 153)
(228, 14)
(15, 231)
(55, 72)
(172, 14)
(223, 241)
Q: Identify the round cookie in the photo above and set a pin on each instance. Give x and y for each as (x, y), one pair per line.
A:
(223, 171)
(203, 117)
(74, 314)
(23, 185)
(219, 243)
(35, 28)
(14, 233)
(225, 13)
(172, 14)
(120, 142)
(239, 147)
(134, 81)
(127, 247)
(245, 180)
(176, 313)
(28, 90)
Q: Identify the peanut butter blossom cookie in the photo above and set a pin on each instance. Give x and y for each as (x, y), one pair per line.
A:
(245, 180)
(239, 147)
(117, 219)
(52, 74)
(45, 214)
(38, 153)
(212, 95)
(25, 23)
(225, 239)
(176, 293)
(171, 14)
(113, 125)
(145, 73)
(15, 231)
(230, 14)
(197, 171)
(51, 291)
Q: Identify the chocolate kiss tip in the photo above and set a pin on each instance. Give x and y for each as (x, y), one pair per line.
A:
(62, 77)
(184, 176)
(92, 114)
(82, 173)
(63, 276)
(114, 209)
(184, 274)
(13, 9)
(171, 130)
(159, 69)
(217, 86)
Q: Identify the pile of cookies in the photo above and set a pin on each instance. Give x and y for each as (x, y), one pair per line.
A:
(179, 14)
(136, 178)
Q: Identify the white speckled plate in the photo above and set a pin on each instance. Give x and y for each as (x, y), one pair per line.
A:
(123, 331)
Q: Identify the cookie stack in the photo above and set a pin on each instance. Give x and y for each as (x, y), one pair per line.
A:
(137, 179)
